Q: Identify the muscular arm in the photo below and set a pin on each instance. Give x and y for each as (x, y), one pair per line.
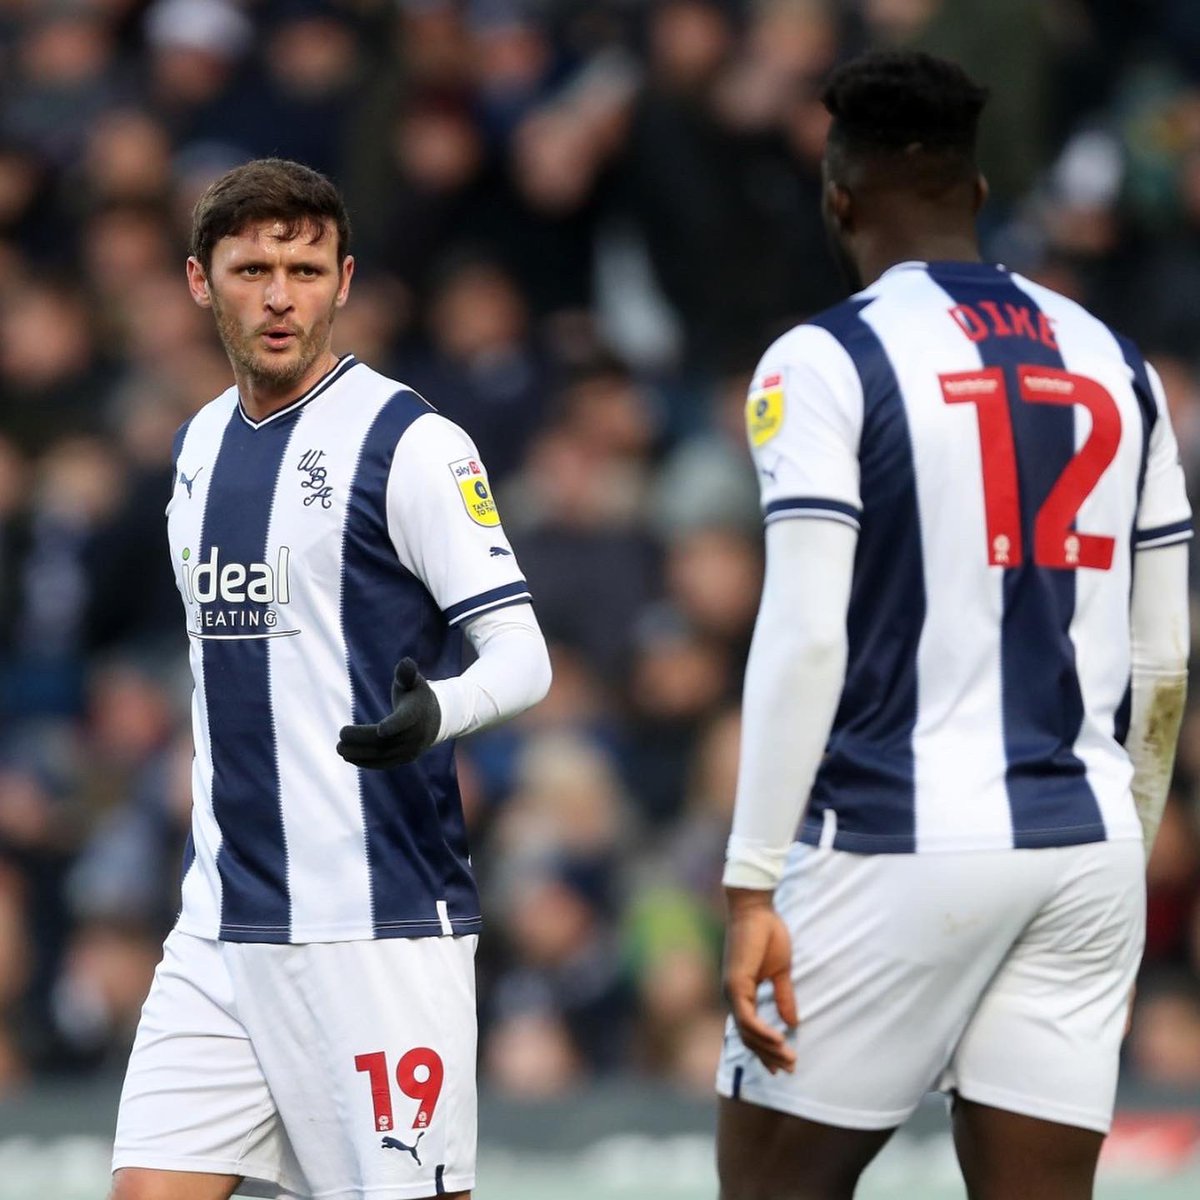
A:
(511, 674)
(794, 680)
(1159, 628)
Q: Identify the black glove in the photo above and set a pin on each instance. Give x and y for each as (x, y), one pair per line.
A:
(401, 737)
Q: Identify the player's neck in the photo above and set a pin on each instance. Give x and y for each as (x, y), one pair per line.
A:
(260, 398)
(877, 255)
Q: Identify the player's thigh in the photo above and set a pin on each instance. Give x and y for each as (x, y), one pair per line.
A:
(1010, 1156)
(369, 1049)
(194, 1100)
(890, 955)
(138, 1183)
(767, 1155)
(1045, 1040)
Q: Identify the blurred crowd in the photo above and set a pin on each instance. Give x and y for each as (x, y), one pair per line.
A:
(577, 223)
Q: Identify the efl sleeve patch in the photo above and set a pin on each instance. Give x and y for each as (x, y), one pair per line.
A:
(764, 410)
(476, 493)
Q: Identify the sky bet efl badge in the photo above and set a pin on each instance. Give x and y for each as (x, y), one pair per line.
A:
(764, 410)
(477, 496)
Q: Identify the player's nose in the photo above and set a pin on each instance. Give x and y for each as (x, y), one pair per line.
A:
(277, 296)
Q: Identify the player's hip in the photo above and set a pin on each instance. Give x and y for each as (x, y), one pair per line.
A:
(925, 803)
(908, 966)
(962, 904)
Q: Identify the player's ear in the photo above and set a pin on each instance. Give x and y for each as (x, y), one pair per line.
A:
(981, 191)
(347, 275)
(198, 283)
(839, 206)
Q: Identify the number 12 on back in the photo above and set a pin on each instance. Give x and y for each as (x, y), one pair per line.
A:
(1055, 543)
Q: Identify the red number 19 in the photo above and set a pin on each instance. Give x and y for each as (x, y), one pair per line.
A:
(1055, 543)
(419, 1075)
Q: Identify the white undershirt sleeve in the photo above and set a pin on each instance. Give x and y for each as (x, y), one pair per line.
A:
(1160, 637)
(794, 679)
(511, 674)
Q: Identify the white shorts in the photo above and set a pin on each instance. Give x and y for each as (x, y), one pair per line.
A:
(337, 1071)
(1003, 976)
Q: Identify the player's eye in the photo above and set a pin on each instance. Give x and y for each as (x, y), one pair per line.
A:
(252, 271)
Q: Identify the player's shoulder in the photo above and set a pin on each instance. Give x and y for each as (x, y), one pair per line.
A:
(399, 409)
(812, 358)
(206, 421)
(1067, 313)
(814, 343)
(219, 406)
(415, 425)
(1063, 310)
(372, 387)
(806, 370)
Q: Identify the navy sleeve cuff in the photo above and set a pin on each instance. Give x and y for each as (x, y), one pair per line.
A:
(813, 506)
(1162, 535)
(500, 597)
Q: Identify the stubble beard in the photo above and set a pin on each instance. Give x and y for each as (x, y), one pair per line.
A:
(261, 369)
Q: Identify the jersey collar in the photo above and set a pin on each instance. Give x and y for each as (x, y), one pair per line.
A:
(343, 364)
(960, 268)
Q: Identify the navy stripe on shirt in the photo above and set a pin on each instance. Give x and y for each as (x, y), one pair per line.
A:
(412, 814)
(252, 860)
(1050, 799)
(868, 775)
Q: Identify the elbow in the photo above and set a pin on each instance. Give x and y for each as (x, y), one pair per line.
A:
(811, 661)
(826, 661)
(541, 676)
(1160, 663)
(822, 652)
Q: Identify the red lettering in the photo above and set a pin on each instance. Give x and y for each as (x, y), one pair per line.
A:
(1001, 493)
(969, 321)
(993, 310)
(1057, 541)
(426, 1088)
(419, 1074)
(1022, 321)
(1058, 544)
(1046, 332)
(381, 1092)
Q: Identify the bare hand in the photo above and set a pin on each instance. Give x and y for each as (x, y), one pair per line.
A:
(758, 948)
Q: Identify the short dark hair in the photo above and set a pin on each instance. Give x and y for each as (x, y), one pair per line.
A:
(267, 189)
(903, 102)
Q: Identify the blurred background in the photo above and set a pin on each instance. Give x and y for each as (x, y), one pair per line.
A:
(577, 224)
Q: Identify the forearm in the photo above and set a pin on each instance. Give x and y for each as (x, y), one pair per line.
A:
(794, 680)
(511, 674)
(1153, 729)
(1160, 638)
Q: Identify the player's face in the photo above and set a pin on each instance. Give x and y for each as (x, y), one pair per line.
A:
(274, 301)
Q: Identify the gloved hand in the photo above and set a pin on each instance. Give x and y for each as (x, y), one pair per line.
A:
(406, 733)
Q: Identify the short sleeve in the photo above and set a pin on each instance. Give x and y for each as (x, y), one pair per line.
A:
(444, 523)
(1164, 514)
(804, 422)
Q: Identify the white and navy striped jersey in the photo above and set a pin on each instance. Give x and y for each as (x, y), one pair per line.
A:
(1002, 454)
(313, 550)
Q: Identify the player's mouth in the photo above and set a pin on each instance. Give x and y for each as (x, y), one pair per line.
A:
(279, 337)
